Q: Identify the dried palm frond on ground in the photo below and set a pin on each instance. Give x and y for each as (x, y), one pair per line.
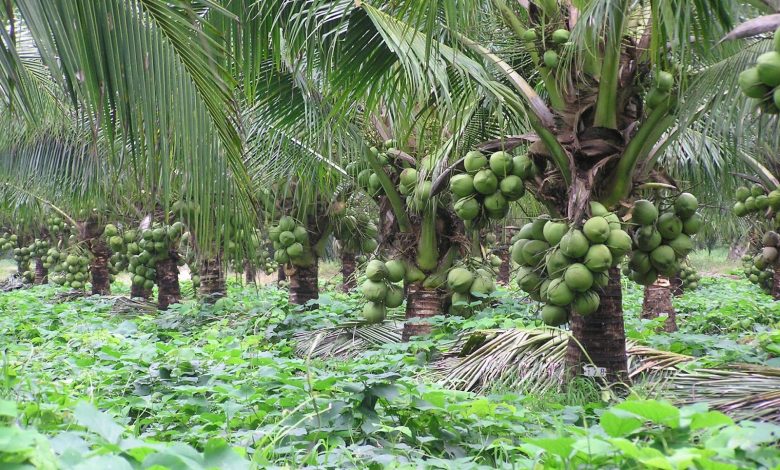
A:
(69, 295)
(348, 339)
(12, 283)
(532, 361)
(127, 306)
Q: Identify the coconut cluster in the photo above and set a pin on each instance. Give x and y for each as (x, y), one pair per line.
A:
(551, 44)
(468, 286)
(22, 256)
(291, 243)
(755, 199)
(366, 178)
(662, 239)
(489, 184)
(72, 270)
(564, 266)
(356, 232)
(7, 241)
(154, 245)
(118, 241)
(759, 268)
(661, 91)
(382, 288)
(690, 278)
(762, 81)
(55, 225)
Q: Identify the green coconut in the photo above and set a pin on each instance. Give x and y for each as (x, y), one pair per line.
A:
(558, 293)
(374, 291)
(586, 303)
(751, 84)
(578, 277)
(750, 204)
(408, 177)
(394, 297)
(553, 315)
(598, 258)
(295, 250)
(485, 182)
(501, 163)
(614, 221)
(474, 161)
(647, 238)
(462, 185)
(523, 167)
(664, 81)
(554, 231)
(467, 208)
(550, 58)
(556, 263)
(483, 284)
(692, 225)
(286, 238)
(517, 251)
(774, 199)
(757, 190)
(663, 258)
(768, 67)
(543, 290)
(656, 98)
(534, 252)
(685, 205)
(762, 202)
(742, 193)
(619, 243)
(645, 279)
(529, 35)
(644, 213)
(596, 229)
(527, 231)
(512, 187)
(597, 209)
(396, 270)
(560, 36)
(669, 225)
(461, 299)
(574, 244)
(682, 245)
(537, 227)
(495, 203)
(287, 224)
(374, 312)
(528, 280)
(600, 280)
(368, 245)
(376, 270)
(459, 280)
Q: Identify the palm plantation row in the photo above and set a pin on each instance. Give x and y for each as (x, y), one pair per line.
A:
(249, 135)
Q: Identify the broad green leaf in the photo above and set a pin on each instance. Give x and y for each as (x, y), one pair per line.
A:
(8, 408)
(618, 424)
(710, 419)
(98, 422)
(560, 446)
(659, 412)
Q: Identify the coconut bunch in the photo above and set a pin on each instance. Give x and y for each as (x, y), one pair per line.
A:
(355, 231)
(662, 238)
(755, 199)
(469, 284)
(291, 242)
(564, 266)
(56, 226)
(758, 272)
(661, 91)
(154, 245)
(382, 288)
(550, 44)
(690, 278)
(7, 241)
(22, 256)
(762, 81)
(38, 248)
(70, 268)
(487, 187)
(118, 242)
(366, 178)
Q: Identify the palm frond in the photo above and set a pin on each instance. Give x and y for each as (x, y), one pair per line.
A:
(349, 339)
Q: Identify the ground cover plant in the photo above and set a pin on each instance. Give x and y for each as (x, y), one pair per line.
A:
(87, 384)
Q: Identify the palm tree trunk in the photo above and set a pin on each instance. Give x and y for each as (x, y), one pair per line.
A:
(250, 273)
(658, 301)
(304, 283)
(41, 273)
(421, 303)
(101, 281)
(503, 270)
(138, 292)
(601, 334)
(348, 266)
(168, 289)
(281, 276)
(776, 282)
(212, 280)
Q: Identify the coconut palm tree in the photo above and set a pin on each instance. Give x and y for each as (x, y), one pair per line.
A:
(596, 87)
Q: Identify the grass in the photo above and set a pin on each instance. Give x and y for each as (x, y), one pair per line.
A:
(713, 262)
(7, 268)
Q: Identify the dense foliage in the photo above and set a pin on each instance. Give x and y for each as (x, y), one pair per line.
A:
(94, 382)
